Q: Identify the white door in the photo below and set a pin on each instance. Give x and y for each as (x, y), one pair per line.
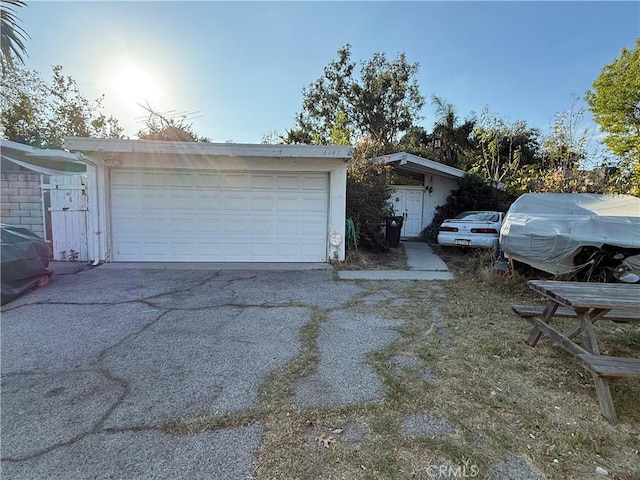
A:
(68, 211)
(408, 204)
(196, 216)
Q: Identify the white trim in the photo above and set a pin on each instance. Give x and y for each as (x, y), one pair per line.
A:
(209, 149)
(403, 158)
(29, 151)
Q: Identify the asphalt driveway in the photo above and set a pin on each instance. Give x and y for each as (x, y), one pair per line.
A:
(96, 362)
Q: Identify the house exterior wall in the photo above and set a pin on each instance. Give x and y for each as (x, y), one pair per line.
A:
(442, 188)
(103, 162)
(21, 200)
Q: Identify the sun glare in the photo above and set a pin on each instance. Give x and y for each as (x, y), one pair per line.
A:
(135, 86)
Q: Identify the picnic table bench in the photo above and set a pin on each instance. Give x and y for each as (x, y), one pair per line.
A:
(587, 303)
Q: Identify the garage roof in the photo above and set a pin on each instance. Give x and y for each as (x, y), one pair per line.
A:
(206, 149)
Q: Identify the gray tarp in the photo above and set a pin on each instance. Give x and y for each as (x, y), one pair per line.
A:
(24, 260)
(551, 227)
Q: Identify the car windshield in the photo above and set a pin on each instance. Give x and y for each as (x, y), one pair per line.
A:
(478, 216)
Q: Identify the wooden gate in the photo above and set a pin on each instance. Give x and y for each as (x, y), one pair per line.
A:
(68, 208)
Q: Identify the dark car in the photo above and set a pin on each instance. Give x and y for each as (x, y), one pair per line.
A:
(24, 261)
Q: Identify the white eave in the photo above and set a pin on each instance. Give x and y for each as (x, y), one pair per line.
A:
(45, 161)
(161, 147)
(412, 164)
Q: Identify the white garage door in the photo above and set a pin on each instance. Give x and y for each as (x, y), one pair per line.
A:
(200, 216)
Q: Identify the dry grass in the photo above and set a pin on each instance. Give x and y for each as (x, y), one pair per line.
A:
(503, 397)
(395, 259)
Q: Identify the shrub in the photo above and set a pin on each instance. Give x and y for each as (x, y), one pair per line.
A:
(368, 193)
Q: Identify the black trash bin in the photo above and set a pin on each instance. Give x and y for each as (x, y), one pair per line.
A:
(392, 230)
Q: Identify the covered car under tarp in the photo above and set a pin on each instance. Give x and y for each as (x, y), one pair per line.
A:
(548, 230)
(24, 261)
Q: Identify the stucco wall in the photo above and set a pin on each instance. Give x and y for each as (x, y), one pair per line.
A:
(21, 200)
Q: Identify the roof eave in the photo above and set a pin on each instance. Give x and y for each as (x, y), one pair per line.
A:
(162, 147)
(414, 164)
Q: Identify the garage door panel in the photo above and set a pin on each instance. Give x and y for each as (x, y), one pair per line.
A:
(235, 181)
(231, 216)
(262, 181)
(180, 179)
(153, 179)
(207, 180)
(287, 182)
(313, 183)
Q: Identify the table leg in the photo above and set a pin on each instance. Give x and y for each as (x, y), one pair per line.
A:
(591, 344)
(596, 314)
(547, 315)
(604, 398)
(588, 335)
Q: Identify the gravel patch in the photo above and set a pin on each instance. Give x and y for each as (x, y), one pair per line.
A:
(513, 468)
(425, 425)
(428, 374)
(401, 363)
(353, 433)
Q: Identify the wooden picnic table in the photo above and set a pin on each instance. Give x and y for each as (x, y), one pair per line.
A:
(587, 302)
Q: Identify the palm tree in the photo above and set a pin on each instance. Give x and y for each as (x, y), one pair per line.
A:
(451, 137)
(12, 35)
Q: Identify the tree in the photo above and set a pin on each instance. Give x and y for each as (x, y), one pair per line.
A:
(615, 103)
(568, 161)
(503, 149)
(565, 148)
(272, 138)
(12, 35)
(380, 105)
(161, 127)
(451, 136)
(417, 141)
(42, 114)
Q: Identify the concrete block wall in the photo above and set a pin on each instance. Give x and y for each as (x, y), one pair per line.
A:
(21, 200)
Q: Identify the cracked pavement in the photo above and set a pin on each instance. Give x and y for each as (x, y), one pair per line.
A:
(94, 363)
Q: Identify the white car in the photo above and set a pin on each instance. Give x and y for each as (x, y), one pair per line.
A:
(472, 229)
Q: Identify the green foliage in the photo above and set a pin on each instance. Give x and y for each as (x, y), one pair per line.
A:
(417, 141)
(381, 104)
(615, 103)
(452, 136)
(473, 193)
(625, 178)
(566, 146)
(368, 189)
(296, 136)
(272, 138)
(503, 149)
(40, 114)
(340, 134)
(159, 127)
(568, 162)
(12, 35)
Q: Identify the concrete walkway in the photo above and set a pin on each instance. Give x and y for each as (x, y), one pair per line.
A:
(423, 265)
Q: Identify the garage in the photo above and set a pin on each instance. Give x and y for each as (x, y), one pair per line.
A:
(187, 216)
(159, 201)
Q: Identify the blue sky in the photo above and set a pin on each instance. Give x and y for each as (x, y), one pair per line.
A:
(242, 65)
